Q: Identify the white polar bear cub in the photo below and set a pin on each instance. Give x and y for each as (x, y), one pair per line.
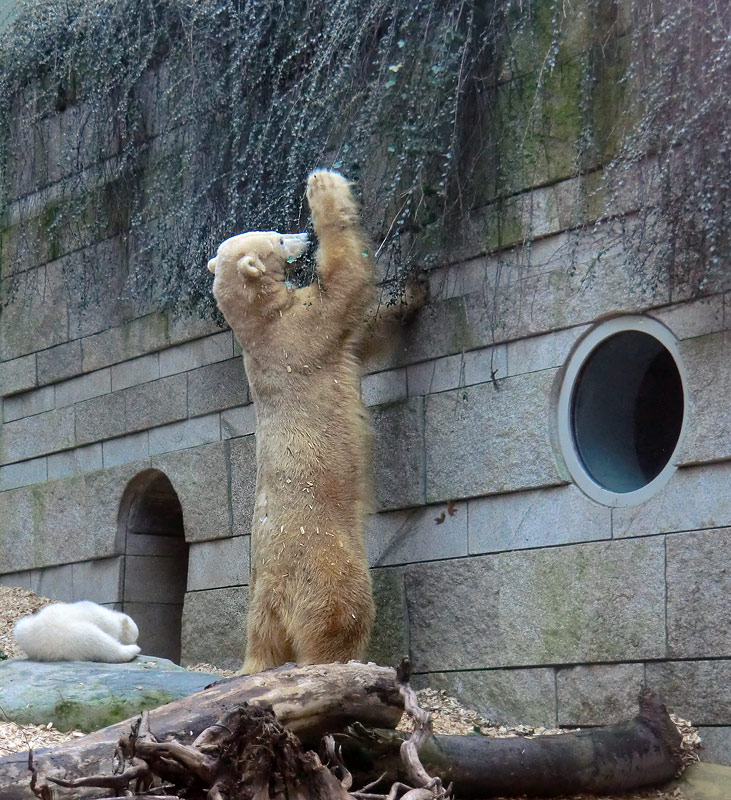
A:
(82, 631)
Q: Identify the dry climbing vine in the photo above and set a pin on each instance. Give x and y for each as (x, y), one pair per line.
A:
(173, 123)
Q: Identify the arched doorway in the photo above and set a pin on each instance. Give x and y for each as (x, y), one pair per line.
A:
(155, 570)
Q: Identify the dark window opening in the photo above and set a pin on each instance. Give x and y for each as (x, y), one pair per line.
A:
(627, 411)
(156, 562)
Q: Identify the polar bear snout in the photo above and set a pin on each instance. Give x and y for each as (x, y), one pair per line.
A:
(294, 244)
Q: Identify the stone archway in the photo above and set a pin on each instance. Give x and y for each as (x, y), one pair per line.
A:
(155, 566)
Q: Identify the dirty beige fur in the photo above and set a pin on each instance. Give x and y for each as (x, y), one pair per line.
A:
(310, 592)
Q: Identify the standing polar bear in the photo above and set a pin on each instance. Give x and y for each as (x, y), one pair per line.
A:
(310, 592)
(82, 631)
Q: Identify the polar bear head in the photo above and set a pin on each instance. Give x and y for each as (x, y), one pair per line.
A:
(259, 253)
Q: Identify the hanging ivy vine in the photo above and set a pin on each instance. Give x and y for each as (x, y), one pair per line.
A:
(175, 123)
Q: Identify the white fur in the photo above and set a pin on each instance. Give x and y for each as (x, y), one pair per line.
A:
(82, 631)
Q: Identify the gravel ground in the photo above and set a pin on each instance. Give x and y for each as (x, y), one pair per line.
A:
(448, 715)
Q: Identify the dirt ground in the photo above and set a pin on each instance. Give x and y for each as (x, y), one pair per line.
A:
(448, 714)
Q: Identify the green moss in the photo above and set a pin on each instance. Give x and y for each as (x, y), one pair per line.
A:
(94, 714)
(50, 219)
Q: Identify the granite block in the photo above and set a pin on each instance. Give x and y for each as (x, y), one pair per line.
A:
(220, 563)
(538, 518)
(156, 403)
(419, 534)
(184, 357)
(184, 434)
(398, 454)
(503, 696)
(572, 604)
(694, 690)
(491, 438)
(242, 472)
(214, 627)
(33, 436)
(599, 694)
(18, 375)
(99, 418)
(217, 386)
(698, 578)
(199, 477)
(136, 371)
(83, 388)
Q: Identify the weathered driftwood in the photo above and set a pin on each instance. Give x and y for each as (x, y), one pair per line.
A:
(606, 760)
(247, 754)
(308, 701)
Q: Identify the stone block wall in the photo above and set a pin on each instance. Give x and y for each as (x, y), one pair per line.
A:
(504, 583)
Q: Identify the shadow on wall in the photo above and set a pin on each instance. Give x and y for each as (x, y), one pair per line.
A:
(155, 569)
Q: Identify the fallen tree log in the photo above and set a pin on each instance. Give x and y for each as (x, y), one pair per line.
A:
(312, 700)
(308, 701)
(612, 759)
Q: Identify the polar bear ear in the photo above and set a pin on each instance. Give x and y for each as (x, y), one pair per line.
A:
(251, 267)
(212, 266)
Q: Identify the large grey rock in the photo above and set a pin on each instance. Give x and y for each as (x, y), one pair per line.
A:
(490, 438)
(599, 694)
(507, 696)
(88, 695)
(198, 476)
(537, 518)
(695, 690)
(585, 602)
(699, 586)
(214, 627)
(706, 781)
(398, 454)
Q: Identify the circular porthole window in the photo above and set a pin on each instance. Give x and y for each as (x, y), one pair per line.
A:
(621, 410)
